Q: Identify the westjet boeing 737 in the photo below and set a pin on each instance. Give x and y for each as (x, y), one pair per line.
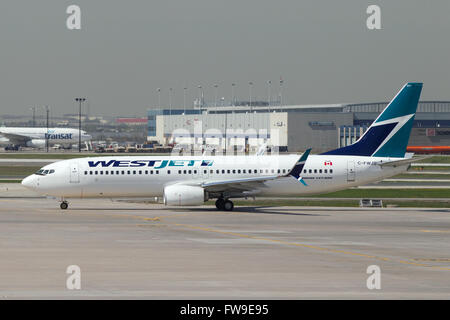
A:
(186, 180)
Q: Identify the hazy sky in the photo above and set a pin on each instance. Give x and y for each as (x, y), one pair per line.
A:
(126, 49)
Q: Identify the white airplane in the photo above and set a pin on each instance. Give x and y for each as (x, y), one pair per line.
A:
(191, 180)
(36, 137)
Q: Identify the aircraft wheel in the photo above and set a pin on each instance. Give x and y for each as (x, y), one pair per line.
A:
(228, 205)
(64, 205)
(220, 203)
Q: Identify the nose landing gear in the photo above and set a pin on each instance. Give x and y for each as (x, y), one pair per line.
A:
(64, 205)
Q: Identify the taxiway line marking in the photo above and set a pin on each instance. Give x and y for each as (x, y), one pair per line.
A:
(303, 245)
(311, 246)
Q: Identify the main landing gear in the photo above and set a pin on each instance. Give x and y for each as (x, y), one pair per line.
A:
(64, 205)
(225, 205)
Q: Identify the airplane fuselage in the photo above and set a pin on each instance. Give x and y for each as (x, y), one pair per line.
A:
(37, 137)
(116, 177)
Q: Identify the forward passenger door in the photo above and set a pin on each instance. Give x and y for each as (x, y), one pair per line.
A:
(74, 173)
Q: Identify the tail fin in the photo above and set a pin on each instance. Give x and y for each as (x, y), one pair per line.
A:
(389, 134)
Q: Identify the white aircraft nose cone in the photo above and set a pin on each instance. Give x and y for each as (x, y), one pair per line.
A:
(29, 182)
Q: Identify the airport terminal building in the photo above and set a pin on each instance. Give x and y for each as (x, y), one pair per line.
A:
(290, 128)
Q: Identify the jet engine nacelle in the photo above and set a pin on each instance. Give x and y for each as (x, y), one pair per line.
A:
(36, 143)
(182, 195)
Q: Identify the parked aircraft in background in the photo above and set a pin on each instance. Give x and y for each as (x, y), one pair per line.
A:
(186, 180)
(37, 137)
(429, 149)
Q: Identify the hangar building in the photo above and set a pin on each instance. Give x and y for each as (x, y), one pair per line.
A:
(293, 128)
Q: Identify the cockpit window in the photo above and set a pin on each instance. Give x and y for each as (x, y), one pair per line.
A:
(43, 172)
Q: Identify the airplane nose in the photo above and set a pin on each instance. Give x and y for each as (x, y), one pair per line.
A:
(29, 182)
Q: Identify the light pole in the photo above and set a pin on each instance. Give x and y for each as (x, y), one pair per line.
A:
(80, 101)
(215, 97)
(46, 136)
(159, 98)
(200, 97)
(269, 83)
(233, 100)
(184, 100)
(34, 115)
(250, 84)
(281, 94)
(170, 101)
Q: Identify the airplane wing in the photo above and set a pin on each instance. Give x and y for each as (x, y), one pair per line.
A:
(238, 187)
(15, 138)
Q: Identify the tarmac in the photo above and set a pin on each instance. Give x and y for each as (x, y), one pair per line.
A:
(148, 251)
